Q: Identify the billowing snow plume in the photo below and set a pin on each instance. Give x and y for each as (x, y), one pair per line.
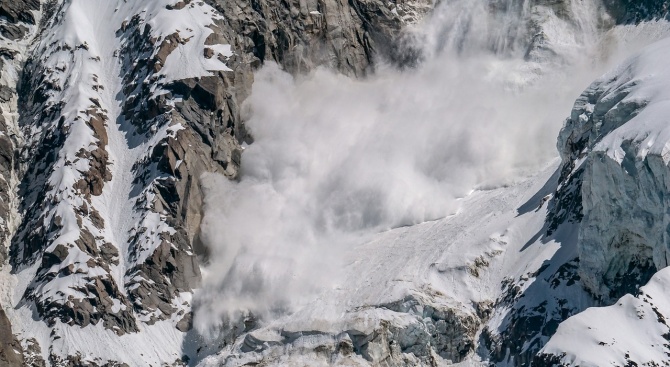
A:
(335, 159)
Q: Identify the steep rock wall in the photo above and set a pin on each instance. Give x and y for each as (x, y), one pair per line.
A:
(614, 140)
(19, 22)
(122, 117)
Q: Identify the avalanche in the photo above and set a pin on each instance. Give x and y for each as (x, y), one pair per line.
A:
(387, 193)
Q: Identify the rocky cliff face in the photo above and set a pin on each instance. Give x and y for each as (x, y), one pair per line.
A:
(300, 35)
(110, 112)
(622, 232)
(11, 353)
(106, 132)
(20, 23)
(615, 140)
(612, 184)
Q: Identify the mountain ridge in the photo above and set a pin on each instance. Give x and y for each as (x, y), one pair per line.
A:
(112, 112)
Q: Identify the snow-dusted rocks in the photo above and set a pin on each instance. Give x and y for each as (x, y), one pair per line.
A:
(616, 141)
(18, 24)
(17, 27)
(301, 35)
(91, 248)
(123, 106)
(634, 331)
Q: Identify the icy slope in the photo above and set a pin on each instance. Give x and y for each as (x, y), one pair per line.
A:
(618, 137)
(336, 167)
(121, 106)
(418, 294)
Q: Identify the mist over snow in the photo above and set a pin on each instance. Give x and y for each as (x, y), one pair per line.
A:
(336, 160)
(205, 183)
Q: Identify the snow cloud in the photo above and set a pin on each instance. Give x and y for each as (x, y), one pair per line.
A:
(337, 159)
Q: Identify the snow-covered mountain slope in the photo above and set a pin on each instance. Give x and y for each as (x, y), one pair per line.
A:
(497, 307)
(494, 282)
(91, 247)
(618, 137)
(633, 331)
(156, 208)
(416, 295)
(114, 109)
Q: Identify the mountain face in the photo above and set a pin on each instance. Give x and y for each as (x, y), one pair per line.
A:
(111, 114)
(615, 136)
(115, 116)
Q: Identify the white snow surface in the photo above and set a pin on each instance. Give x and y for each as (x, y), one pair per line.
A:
(646, 77)
(80, 54)
(634, 328)
(498, 222)
(429, 260)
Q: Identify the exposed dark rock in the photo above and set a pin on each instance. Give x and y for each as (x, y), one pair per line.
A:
(6, 167)
(11, 352)
(531, 308)
(186, 322)
(565, 206)
(166, 47)
(19, 10)
(109, 253)
(300, 35)
(636, 11)
(95, 307)
(33, 354)
(160, 279)
(78, 360)
(6, 93)
(628, 279)
(179, 5)
(548, 360)
(13, 31)
(98, 173)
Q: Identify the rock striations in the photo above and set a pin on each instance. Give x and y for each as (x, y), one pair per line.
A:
(111, 111)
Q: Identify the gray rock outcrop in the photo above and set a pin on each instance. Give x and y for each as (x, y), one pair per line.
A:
(11, 353)
(16, 30)
(300, 35)
(621, 237)
(413, 331)
(191, 127)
